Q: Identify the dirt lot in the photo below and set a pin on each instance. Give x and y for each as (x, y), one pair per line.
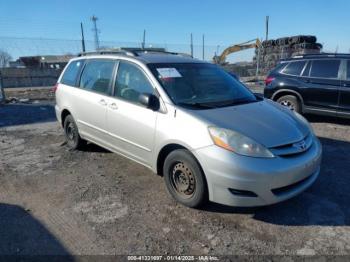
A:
(56, 201)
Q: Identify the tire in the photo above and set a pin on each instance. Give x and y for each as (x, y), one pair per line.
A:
(290, 101)
(71, 132)
(184, 179)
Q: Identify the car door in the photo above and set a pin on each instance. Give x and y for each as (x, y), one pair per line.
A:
(322, 86)
(344, 96)
(131, 126)
(92, 99)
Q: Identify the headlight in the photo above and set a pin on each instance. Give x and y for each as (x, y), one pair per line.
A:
(238, 143)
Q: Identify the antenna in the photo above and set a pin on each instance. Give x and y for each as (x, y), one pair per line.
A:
(96, 32)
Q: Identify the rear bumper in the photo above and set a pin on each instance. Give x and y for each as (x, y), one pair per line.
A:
(245, 181)
(58, 114)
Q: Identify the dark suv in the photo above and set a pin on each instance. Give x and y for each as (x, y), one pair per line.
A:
(317, 84)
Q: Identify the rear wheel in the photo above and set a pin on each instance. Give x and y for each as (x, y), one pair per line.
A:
(291, 102)
(71, 132)
(184, 178)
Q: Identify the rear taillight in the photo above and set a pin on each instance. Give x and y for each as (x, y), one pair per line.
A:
(54, 89)
(268, 80)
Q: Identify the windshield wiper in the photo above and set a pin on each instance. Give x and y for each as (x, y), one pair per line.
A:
(196, 105)
(234, 102)
(217, 104)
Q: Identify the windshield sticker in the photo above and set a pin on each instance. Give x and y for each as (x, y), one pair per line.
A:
(168, 72)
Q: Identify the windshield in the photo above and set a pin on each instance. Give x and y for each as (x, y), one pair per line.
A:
(201, 85)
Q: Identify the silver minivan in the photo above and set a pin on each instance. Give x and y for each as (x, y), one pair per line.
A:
(190, 122)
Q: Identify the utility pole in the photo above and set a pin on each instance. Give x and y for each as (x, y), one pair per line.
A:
(267, 27)
(191, 45)
(144, 39)
(82, 38)
(203, 47)
(258, 61)
(96, 32)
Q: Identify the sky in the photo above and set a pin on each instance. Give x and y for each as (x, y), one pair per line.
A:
(170, 23)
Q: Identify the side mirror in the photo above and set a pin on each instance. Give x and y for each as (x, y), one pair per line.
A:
(150, 101)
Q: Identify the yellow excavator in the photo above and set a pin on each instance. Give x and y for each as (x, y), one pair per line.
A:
(220, 59)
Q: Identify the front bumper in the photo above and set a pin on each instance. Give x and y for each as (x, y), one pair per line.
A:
(271, 180)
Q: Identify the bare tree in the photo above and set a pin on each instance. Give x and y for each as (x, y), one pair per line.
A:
(5, 58)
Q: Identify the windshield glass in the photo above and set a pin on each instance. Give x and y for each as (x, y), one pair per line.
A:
(201, 85)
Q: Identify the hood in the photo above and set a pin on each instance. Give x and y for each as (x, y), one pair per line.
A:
(267, 122)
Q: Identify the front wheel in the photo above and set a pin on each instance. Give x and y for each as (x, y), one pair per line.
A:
(291, 102)
(184, 179)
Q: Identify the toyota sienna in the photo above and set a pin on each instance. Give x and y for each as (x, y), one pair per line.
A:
(190, 122)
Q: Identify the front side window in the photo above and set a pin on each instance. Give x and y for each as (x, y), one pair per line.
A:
(200, 85)
(70, 75)
(325, 68)
(97, 76)
(348, 70)
(131, 82)
(294, 68)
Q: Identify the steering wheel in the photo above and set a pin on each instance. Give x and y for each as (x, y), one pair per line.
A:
(130, 94)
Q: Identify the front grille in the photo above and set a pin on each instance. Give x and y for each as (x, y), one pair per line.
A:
(286, 189)
(293, 148)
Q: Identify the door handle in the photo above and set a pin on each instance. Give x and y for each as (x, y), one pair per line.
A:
(102, 102)
(113, 106)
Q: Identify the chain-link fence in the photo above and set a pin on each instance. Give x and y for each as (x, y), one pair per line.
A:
(16, 47)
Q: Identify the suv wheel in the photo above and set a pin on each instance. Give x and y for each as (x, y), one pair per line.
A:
(184, 179)
(72, 134)
(291, 102)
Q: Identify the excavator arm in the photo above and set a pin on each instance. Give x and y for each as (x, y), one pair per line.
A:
(235, 48)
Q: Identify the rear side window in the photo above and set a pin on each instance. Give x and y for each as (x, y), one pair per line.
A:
(71, 73)
(97, 76)
(307, 69)
(325, 68)
(348, 70)
(294, 68)
(279, 67)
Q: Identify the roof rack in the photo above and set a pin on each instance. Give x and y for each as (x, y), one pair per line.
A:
(132, 51)
(108, 52)
(321, 55)
(144, 50)
(153, 50)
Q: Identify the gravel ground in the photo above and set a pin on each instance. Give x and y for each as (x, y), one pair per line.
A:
(57, 201)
